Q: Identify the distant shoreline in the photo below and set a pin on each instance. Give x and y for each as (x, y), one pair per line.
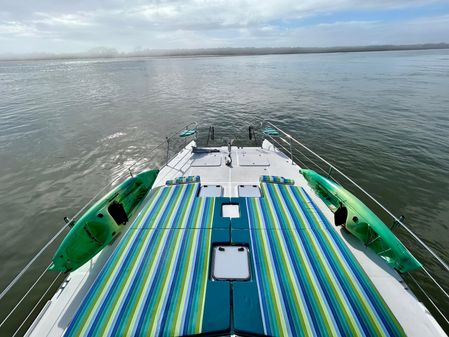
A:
(107, 53)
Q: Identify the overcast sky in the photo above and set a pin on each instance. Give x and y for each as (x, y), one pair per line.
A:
(79, 25)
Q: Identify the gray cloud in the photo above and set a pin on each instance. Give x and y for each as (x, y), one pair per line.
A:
(70, 26)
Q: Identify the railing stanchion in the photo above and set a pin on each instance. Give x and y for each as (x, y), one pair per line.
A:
(168, 150)
(291, 152)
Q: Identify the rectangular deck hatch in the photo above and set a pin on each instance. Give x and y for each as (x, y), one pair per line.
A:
(249, 191)
(206, 160)
(230, 263)
(211, 191)
(252, 158)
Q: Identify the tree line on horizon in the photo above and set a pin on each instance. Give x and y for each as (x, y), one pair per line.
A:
(104, 52)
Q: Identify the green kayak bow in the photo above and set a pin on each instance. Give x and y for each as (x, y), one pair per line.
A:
(361, 222)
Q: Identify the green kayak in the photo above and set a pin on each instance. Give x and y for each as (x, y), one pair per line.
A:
(360, 221)
(101, 224)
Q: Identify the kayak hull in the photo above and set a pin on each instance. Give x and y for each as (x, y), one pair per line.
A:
(102, 223)
(362, 222)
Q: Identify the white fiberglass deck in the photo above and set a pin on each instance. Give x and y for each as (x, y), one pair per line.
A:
(248, 164)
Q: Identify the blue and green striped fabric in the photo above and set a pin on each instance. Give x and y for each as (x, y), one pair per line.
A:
(177, 201)
(276, 180)
(183, 180)
(309, 282)
(155, 282)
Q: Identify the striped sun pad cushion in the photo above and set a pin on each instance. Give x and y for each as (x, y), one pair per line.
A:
(183, 180)
(309, 283)
(155, 282)
(276, 180)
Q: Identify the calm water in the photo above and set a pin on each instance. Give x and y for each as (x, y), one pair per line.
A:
(69, 127)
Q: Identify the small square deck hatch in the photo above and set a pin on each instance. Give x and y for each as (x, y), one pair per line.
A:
(230, 263)
(230, 210)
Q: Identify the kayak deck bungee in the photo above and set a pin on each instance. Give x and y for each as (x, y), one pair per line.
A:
(102, 223)
(305, 281)
(362, 222)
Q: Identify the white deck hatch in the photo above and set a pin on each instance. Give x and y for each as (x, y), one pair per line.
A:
(206, 159)
(230, 263)
(249, 191)
(252, 158)
(230, 211)
(211, 191)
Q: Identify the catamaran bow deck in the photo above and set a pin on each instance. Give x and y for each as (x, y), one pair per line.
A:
(293, 273)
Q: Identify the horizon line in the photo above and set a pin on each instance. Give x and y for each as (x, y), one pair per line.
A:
(107, 52)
